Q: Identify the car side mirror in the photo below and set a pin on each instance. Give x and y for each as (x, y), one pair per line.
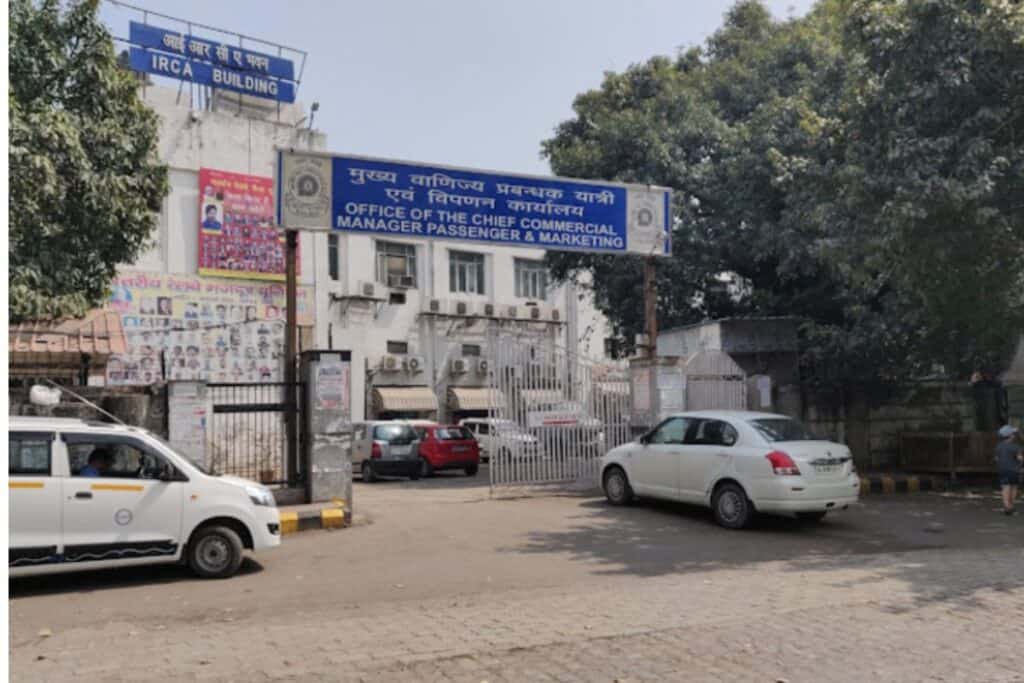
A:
(166, 472)
(645, 439)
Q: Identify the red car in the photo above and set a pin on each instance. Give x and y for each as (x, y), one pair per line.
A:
(447, 447)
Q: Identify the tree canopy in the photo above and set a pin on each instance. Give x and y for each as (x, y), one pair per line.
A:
(860, 167)
(86, 184)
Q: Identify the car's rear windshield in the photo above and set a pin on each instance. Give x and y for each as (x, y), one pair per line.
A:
(398, 434)
(453, 434)
(782, 429)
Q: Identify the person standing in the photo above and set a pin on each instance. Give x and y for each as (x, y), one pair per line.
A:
(1008, 463)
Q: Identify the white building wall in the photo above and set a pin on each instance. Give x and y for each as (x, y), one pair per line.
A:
(223, 140)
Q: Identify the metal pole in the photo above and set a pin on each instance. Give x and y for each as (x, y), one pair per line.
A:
(651, 305)
(291, 330)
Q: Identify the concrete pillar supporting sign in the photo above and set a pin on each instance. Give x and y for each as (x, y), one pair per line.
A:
(328, 410)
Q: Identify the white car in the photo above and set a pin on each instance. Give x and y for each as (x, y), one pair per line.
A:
(737, 463)
(94, 495)
(501, 438)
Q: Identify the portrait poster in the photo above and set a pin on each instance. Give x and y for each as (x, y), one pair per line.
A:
(237, 236)
(185, 327)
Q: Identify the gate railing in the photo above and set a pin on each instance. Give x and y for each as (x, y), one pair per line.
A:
(556, 416)
(247, 432)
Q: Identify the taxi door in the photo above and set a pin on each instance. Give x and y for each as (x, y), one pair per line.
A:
(127, 514)
(35, 500)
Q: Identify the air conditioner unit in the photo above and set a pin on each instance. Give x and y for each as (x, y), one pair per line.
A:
(461, 308)
(535, 313)
(414, 364)
(401, 281)
(459, 366)
(482, 365)
(510, 312)
(368, 290)
(555, 315)
(487, 310)
(390, 363)
(435, 306)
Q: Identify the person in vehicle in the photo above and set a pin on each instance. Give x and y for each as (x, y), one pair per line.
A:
(100, 461)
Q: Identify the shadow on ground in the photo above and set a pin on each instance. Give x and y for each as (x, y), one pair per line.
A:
(106, 579)
(653, 538)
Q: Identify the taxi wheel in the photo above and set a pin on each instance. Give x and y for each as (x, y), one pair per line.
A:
(215, 552)
(369, 476)
(472, 470)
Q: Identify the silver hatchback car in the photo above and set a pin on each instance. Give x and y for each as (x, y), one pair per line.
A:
(385, 448)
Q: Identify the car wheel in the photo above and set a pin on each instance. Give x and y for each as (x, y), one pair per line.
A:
(215, 552)
(426, 469)
(369, 476)
(414, 473)
(731, 506)
(472, 470)
(812, 517)
(616, 486)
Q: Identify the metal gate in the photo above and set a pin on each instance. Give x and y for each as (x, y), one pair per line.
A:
(553, 414)
(248, 435)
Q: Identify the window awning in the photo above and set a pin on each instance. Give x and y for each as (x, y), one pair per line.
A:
(417, 399)
(475, 398)
(534, 397)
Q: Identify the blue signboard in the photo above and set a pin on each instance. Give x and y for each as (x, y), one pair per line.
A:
(182, 68)
(395, 198)
(200, 49)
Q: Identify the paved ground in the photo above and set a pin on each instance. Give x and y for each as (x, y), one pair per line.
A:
(444, 583)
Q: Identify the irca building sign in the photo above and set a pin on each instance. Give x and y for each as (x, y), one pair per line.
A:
(386, 197)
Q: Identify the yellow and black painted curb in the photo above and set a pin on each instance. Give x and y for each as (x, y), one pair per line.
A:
(330, 516)
(875, 484)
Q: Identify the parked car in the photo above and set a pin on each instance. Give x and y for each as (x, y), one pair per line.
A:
(446, 447)
(501, 437)
(385, 448)
(94, 495)
(738, 463)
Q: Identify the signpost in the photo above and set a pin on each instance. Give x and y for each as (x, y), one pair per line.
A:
(397, 198)
(185, 57)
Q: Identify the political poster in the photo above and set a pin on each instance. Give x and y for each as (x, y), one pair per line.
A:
(237, 237)
(184, 327)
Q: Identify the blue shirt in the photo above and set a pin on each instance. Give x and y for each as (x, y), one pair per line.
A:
(88, 471)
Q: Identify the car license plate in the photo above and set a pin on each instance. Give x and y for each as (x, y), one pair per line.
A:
(827, 469)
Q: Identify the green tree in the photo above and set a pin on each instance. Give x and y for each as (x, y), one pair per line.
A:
(86, 182)
(818, 162)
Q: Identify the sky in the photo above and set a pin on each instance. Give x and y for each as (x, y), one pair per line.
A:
(472, 83)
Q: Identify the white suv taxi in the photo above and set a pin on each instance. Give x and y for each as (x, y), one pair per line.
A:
(94, 495)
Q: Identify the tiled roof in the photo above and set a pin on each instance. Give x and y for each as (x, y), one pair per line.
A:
(97, 334)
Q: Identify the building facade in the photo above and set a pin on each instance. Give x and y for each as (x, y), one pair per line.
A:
(417, 315)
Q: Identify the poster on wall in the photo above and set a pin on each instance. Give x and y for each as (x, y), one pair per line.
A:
(184, 327)
(237, 237)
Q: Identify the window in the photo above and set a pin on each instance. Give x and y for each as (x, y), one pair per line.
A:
(399, 347)
(482, 428)
(397, 434)
(115, 457)
(396, 298)
(466, 272)
(781, 429)
(712, 433)
(671, 431)
(531, 279)
(29, 453)
(454, 434)
(332, 256)
(471, 350)
(614, 348)
(396, 264)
